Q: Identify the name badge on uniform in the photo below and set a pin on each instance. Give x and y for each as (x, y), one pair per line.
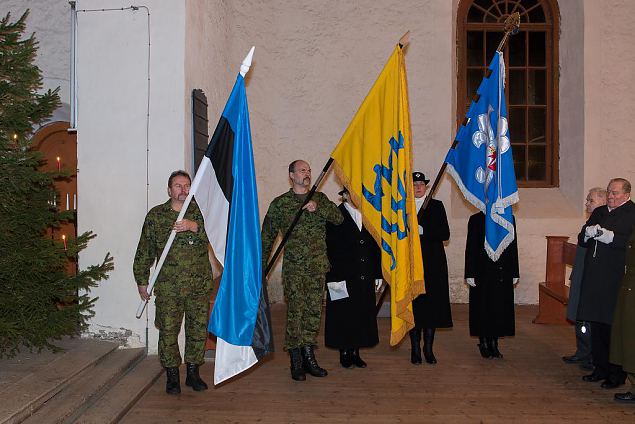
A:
(337, 290)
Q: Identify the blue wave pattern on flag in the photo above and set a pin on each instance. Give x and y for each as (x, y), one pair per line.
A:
(482, 163)
(240, 318)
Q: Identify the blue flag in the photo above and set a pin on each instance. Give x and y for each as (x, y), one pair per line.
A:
(482, 163)
(228, 199)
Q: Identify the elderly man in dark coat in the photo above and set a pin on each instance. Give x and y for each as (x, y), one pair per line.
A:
(351, 322)
(605, 236)
(432, 309)
(623, 330)
(491, 288)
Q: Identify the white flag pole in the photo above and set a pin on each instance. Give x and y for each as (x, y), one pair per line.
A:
(244, 68)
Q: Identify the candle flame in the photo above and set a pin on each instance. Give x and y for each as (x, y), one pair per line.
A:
(63, 236)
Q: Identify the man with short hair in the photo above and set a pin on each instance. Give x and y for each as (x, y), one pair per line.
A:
(183, 285)
(605, 236)
(304, 266)
(582, 355)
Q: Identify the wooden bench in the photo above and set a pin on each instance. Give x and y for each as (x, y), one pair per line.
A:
(553, 294)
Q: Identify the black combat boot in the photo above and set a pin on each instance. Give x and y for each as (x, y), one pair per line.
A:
(297, 373)
(415, 346)
(310, 363)
(428, 340)
(493, 347)
(357, 360)
(193, 379)
(483, 347)
(173, 383)
(346, 359)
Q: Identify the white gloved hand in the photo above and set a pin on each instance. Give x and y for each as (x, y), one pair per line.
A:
(515, 280)
(378, 283)
(591, 231)
(606, 237)
(420, 230)
(470, 282)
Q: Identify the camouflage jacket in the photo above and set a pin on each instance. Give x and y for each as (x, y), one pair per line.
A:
(187, 260)
(306, 247)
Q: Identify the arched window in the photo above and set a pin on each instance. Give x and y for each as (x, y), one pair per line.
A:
(531, 59)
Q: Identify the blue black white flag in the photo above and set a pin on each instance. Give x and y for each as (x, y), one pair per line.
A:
(228, 199)
(482, 163)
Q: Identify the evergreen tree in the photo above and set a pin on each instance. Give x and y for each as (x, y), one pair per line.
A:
(39, 302)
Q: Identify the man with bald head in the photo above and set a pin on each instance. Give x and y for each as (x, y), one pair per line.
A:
(304, 265)
(605, 236)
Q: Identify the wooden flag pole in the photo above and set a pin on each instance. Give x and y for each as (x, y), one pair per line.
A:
(511, 26)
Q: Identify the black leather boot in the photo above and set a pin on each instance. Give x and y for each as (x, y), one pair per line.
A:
(173, 383)
(357, 360)
(346, 359)
(428, 340)
(193, 379)
(493, 347)
(415, 346)
(310, 363)
(297, 372)
(484, 348)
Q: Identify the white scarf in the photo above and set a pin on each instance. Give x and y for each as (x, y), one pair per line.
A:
(355, 214)
(419, 202)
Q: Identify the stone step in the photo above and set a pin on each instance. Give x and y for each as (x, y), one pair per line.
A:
(117, 401)
(32, 379)
(76, 395)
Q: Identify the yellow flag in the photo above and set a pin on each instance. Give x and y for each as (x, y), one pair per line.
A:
(374, 161)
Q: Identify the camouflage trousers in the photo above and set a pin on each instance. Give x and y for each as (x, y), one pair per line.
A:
(169, 315)
(304, 294)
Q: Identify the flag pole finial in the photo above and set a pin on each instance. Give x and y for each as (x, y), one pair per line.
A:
(405, 39)
(511, 25)
(244, 67)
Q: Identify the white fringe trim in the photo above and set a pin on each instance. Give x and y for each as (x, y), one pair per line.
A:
(508, 201)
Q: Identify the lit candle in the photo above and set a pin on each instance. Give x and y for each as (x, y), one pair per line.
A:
(15, 137)
(64, 240)
(67, 201)
(59, 164)
(74, 201)
(54, 200)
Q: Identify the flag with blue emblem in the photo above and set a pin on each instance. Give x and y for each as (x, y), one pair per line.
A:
(228, 199)
(482, 163)
(374, 161)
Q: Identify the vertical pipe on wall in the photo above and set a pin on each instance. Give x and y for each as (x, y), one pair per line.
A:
(73, 100)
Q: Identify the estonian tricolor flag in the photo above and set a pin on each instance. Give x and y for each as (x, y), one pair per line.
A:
(228, 199)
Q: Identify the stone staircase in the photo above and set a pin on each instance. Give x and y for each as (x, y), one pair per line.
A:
(89, 382)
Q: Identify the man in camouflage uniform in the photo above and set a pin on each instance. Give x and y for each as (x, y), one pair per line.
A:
(183, 285)
(304, 266)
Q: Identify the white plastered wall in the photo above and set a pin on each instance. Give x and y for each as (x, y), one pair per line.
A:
(609, 62)
(117, 181)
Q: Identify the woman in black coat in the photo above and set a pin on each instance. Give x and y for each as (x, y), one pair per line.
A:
(432, 309)
(491, 288)
(351, 322)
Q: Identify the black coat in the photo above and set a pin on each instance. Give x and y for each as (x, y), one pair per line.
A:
(432, 309)
(492, 300)
(604, 263)
(355, 258)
